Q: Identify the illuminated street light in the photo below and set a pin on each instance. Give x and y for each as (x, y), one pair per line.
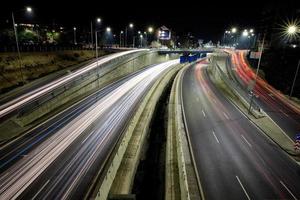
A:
(245, 33)
(98, 20)
(251, 31)
(131, 25)
(139, 32)
(292, 29)
(108, 29)
(150, 29)
(28, 9)
(234, 30)
(75, 42)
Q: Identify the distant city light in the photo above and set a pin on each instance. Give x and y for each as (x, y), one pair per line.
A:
(131, 25)
(28, 9)
(251, 30)
(108, 29)
(245, 33)
(98, 20)
(234, 30)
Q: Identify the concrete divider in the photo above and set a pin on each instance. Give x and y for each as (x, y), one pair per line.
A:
(87, 84)
(180, 164)
(119, 172)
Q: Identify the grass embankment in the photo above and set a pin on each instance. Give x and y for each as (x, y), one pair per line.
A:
(36, 65)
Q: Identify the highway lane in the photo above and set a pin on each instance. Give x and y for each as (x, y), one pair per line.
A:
(234, 159)
(63, 165)
(283, 111)
(17, 103)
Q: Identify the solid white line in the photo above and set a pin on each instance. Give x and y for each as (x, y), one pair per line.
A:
(283, 112)
(216, 137)
(288, 190)
(225, 115)
(203, 113)
(40, 189)
(243, 187)
(246, 141)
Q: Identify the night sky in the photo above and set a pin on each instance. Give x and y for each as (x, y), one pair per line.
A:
(204, 19)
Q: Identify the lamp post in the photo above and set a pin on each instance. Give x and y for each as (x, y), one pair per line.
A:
(126, 32)
(98, 20)
(75, 42)
(28, 10)
(292, 31)
(257, 69)
(141, 40)
(121, 33)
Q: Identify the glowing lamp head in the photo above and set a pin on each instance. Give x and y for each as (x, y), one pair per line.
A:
(233, 30)
(28, 9)
(291, 29)
(150, 29)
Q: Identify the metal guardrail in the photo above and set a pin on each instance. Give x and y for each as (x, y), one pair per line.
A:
(103, 68)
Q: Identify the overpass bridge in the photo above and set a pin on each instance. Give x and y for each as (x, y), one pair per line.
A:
(186, 51)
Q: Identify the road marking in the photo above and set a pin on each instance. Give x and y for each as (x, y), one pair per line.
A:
(243, 187)
(288, 190)
(203, 113)
(246, 141)
(40, 189)
(216, 137)
(225, 115)
(283, 112)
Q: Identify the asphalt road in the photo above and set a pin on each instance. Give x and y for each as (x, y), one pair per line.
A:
(234, 159)
(272, 101)
(65, 163)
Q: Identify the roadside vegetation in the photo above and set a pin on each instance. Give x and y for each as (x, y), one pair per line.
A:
(35, 65)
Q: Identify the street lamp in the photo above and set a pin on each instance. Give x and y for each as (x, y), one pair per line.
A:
(108, 29)
(257, 69)
(141, 40)
(98, 20)
(28, 10)
(75, 35)
(121, 33)
(150, 29)
(245, 33)
(234, 30)
(292, 31)
(126, 32)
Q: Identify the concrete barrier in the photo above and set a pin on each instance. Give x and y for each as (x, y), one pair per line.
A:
(180, 163)
(87, 84)
(118, 175)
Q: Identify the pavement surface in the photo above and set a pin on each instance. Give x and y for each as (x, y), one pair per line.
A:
(234, 159)
(62, 159)
(281, 110)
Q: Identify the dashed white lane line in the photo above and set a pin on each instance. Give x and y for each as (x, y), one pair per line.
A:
(283, 113)
(226, 116)
(243, 188)
(40, 189)
(288, 190)
(203, 113)
(246, 141)
(216, 137)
